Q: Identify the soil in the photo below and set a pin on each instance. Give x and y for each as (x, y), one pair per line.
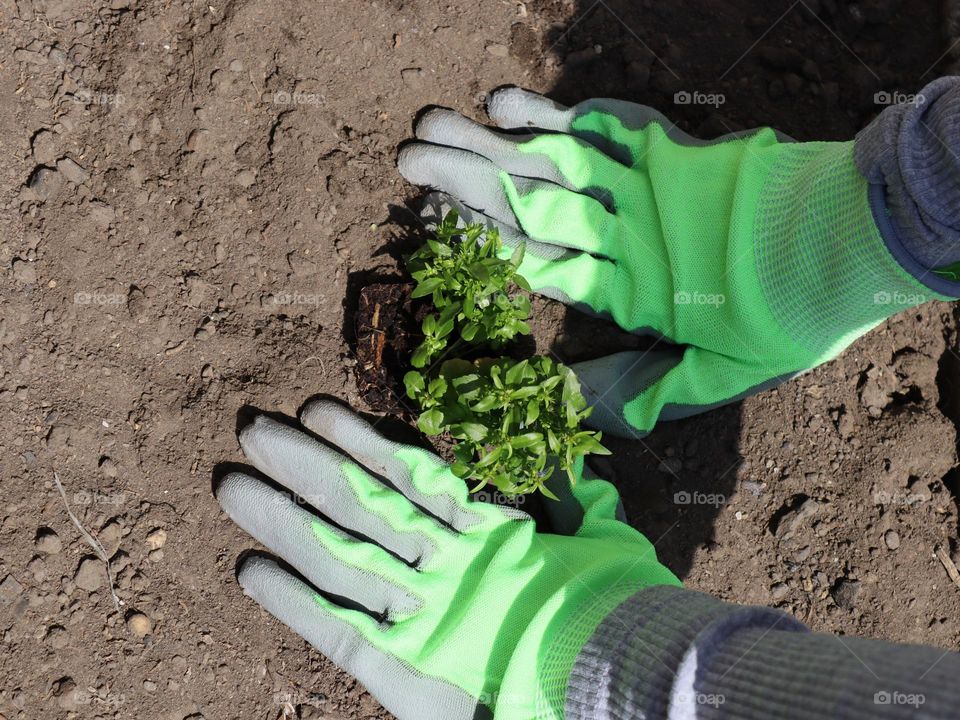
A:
(385, 332)
(193, 195)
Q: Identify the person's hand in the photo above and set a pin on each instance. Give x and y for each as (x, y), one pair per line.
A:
(442, 607)
(754, 259)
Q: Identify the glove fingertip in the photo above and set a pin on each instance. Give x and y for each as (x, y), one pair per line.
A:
(321, 414)
(256, 573)
(441, 126)
(413, 164)
(514, 107)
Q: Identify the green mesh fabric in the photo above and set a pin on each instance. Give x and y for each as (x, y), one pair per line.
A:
(559, 654)
(825, 272)
(468, 611)
(760, 258)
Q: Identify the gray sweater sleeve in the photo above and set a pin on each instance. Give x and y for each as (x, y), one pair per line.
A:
(678, 654)
(911, 153)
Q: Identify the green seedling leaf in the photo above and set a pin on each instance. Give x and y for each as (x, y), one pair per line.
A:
(517, 257)
(526, 440)
(480, 272)
(517, 373)
(414, 383)
(440, 249)
(533, 412)
(486, 404)
(524, 392)
(437, 387)
(490, 458)
(469, 331)
(473, 431)
(431, 422)
(421, 356)
(426, 287)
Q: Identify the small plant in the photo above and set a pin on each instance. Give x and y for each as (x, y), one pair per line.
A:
(514, 421)
(469, 285)
(510, 419)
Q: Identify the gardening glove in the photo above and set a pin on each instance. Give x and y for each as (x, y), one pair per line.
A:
(441, 606)
(753, 258)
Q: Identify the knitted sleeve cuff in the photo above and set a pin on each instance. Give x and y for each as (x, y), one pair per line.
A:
(912, 151)
(672, 653)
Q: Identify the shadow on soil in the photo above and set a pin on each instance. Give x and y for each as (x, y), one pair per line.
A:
(815, 70)
(810, 69)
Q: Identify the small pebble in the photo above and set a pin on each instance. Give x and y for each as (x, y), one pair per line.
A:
(38, 568)
(10, 590)
(110, 536)
(157, 539)
(72, 171)
(90, 574)
(246, 178)
(139, 624)
(892, 539)
(45, 182)
(44, 147)
(25, 272)
(57, 636)
(108, 467)
(778, 591)
(48, 541)
(65, 691)
(413, 77)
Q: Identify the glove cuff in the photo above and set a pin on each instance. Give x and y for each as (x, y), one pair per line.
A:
(908, 153)
(535, 683)
(548, 648)
(673, 653)
(635, 663)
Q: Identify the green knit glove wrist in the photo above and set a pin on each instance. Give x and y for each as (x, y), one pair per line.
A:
(755, 259)
(442, 607)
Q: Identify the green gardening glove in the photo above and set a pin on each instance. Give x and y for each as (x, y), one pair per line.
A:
(754, 259)
(444, 608)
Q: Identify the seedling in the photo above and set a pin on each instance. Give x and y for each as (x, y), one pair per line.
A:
(514, 421)
(469, 285)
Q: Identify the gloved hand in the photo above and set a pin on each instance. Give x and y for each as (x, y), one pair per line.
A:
(755, 259)
(441, 606)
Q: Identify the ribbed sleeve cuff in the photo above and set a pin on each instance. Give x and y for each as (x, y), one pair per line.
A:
(672, 653)
(912, 151)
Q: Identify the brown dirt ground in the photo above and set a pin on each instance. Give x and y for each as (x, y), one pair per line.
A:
(193, 193)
